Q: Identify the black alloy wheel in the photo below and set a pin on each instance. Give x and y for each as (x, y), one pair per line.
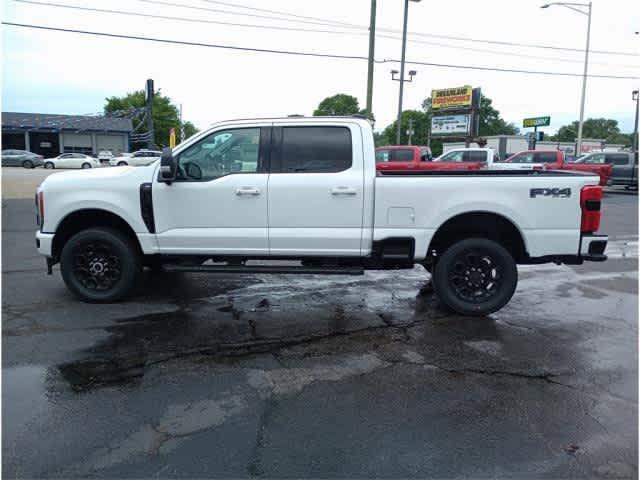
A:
(100, 264)
(475, 277)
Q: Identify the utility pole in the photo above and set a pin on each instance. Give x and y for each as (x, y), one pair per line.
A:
(372, 42)
(149, 107)
(410, 132)
(402, 80)
(181, 126)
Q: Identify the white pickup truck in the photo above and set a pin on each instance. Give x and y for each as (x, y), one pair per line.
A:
(306, 190)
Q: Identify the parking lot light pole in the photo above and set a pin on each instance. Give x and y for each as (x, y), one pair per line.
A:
(579, 7)
(372, 43)
(402, 80)
(635, 95)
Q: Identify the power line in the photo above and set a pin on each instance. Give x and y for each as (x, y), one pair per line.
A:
(275, 27)
(324, 21)
(311, 54)
(185, 19)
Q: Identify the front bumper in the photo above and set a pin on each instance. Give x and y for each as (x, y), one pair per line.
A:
(44, 243)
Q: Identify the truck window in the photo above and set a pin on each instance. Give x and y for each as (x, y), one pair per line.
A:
(523, 158)
(383, 156)
(475, 156)
(316, 149)
(596, 158)
(456, 156)
(404, 155)
(545, 157)
(617, 158)
(221, 153)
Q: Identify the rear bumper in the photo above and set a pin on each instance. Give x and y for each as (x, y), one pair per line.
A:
(592, 248)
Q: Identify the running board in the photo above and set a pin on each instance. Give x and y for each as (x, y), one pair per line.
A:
(264, 269)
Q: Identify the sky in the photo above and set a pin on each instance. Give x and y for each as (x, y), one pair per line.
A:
(64, 73)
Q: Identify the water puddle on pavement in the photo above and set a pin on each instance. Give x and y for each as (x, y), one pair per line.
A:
(246, 321)
(23, 397)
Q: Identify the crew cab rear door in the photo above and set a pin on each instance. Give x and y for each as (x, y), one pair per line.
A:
(316, 186)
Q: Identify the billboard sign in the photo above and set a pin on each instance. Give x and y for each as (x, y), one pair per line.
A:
(536, 122)
(454, 125)
(458, 98)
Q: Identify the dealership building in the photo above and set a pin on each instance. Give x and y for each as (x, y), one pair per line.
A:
(50, 135)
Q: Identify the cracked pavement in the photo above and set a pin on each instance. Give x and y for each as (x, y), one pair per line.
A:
(310, 376)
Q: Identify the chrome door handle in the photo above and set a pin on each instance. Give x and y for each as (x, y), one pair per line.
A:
(343, 191)
(247, 191)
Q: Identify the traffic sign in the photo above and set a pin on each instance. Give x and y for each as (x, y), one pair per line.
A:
(536, 122)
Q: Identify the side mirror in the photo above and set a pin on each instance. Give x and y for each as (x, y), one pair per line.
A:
(168, 166)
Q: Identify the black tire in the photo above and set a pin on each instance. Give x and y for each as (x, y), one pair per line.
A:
(475, 277)
(116, 256)
(122, 164)
(28, 164)
(86, 165)
(49, 165)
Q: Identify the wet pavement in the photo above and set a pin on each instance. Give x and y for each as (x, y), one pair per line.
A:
(291, 376)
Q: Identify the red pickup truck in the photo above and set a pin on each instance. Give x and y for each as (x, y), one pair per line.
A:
(408, 157)
(554, 160)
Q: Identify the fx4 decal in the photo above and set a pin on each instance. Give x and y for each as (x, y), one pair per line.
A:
(550, 192)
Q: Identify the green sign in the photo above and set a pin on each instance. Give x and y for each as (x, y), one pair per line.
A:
(536, 122)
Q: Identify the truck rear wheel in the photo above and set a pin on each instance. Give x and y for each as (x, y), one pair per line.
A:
(100, 265)
(475, 277)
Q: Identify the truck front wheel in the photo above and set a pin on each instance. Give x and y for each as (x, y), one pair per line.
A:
(475, 277)
(100, 265)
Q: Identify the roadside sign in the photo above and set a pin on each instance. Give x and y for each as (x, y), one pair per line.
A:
(445, 125)
(451, 98)
(536, 122)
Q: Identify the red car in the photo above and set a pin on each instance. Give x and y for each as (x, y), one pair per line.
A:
(554, 160)
(408, 157)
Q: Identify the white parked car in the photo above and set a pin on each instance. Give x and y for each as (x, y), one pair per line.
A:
(315, 198)
(140, 158)
(105, 155)
(71, 160)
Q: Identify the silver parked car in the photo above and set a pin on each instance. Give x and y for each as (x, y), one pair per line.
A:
(21, 158)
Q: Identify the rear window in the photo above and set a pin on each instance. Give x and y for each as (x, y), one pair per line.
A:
(402, 155)
(618, 158)
(316, 149)
(475, 156)
(545, 157)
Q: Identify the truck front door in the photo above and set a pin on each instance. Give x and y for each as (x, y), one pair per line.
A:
(316, 190)
(218, 203)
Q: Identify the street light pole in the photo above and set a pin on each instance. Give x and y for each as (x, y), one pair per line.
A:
(372, 42)
(576, 8)
(636, 97)
(584, 82)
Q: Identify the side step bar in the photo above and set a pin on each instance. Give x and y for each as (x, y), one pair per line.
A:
(264, 269)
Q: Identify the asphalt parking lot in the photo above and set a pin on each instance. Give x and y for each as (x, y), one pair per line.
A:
(309, 376)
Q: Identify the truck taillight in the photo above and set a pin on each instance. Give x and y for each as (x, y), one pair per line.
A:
(590, 199)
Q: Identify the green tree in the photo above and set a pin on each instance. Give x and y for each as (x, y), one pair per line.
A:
(165, 116)
(491, 123)
(339, 104)
(419, 137)
(601, 128)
